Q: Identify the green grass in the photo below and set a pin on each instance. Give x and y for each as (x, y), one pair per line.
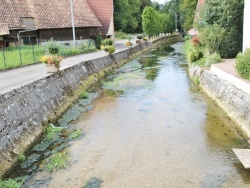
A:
(13, 57)
(11, 183)
(121, 35)
(58, 161)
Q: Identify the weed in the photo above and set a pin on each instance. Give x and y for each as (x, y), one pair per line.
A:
(58, 161)
(11, 183)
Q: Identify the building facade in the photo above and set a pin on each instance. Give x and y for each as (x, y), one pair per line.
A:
(33, 22)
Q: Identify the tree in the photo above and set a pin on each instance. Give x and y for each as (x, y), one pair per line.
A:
(174, 6)
(187, 12)
(121, 14)
(211, 36)
(127, 15)
(229, 15)
(152, 21)
(134, 16)
(167, 26)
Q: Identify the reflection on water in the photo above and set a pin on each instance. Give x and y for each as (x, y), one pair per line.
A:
(148, 128)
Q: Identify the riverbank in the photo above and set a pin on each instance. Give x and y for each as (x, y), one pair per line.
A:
(227, 89)
(26, 109)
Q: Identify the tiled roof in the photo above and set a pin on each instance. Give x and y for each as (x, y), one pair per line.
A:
(103, 9)
(4, 29)
(47, 13)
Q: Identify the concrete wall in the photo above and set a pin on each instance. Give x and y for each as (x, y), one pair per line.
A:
(232, 100)
(25, 111)
(246, 26)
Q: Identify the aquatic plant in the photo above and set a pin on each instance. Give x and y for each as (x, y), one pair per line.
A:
(75, 134)
(58, 161)
(84, 95)
(21, 156)
(10, 183)
(51, 130)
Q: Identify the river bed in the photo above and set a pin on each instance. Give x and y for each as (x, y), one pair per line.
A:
(145, 126)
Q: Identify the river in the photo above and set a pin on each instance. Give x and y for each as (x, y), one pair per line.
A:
(145, 126)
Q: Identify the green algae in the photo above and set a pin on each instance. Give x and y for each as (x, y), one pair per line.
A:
(30, 161)
(78, 108)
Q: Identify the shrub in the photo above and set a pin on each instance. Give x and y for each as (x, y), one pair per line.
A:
(107, 42)
(187, 38)
(211, 36)
(194, 54)
(243, 63)
(212, 58)
(139, 37)
(231, 43)
(111, 49)
(98, 42)
(53, 47)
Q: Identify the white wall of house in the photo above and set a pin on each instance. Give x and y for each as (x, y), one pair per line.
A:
(246, 27)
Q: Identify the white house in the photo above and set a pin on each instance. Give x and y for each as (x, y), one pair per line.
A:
(246, 26)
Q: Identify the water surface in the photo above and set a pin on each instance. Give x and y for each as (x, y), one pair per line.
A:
(148, 127)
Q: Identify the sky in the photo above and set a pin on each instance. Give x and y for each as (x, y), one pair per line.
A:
(160, 1)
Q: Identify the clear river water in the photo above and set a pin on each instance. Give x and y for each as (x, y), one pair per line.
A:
(145, 126)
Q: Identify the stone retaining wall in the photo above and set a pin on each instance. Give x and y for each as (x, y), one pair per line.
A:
(24, 111)
(232, 100)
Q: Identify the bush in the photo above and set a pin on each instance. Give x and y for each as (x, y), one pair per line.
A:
(98, 42)
(231, 44)
(111, 49)
(107, 42)
(53, 47)
(211, 36)
(187, 38)
(139, 37)
(194, 54)
(243, 63)
(212, 59)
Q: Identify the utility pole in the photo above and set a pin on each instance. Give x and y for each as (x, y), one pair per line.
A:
(73, 22)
